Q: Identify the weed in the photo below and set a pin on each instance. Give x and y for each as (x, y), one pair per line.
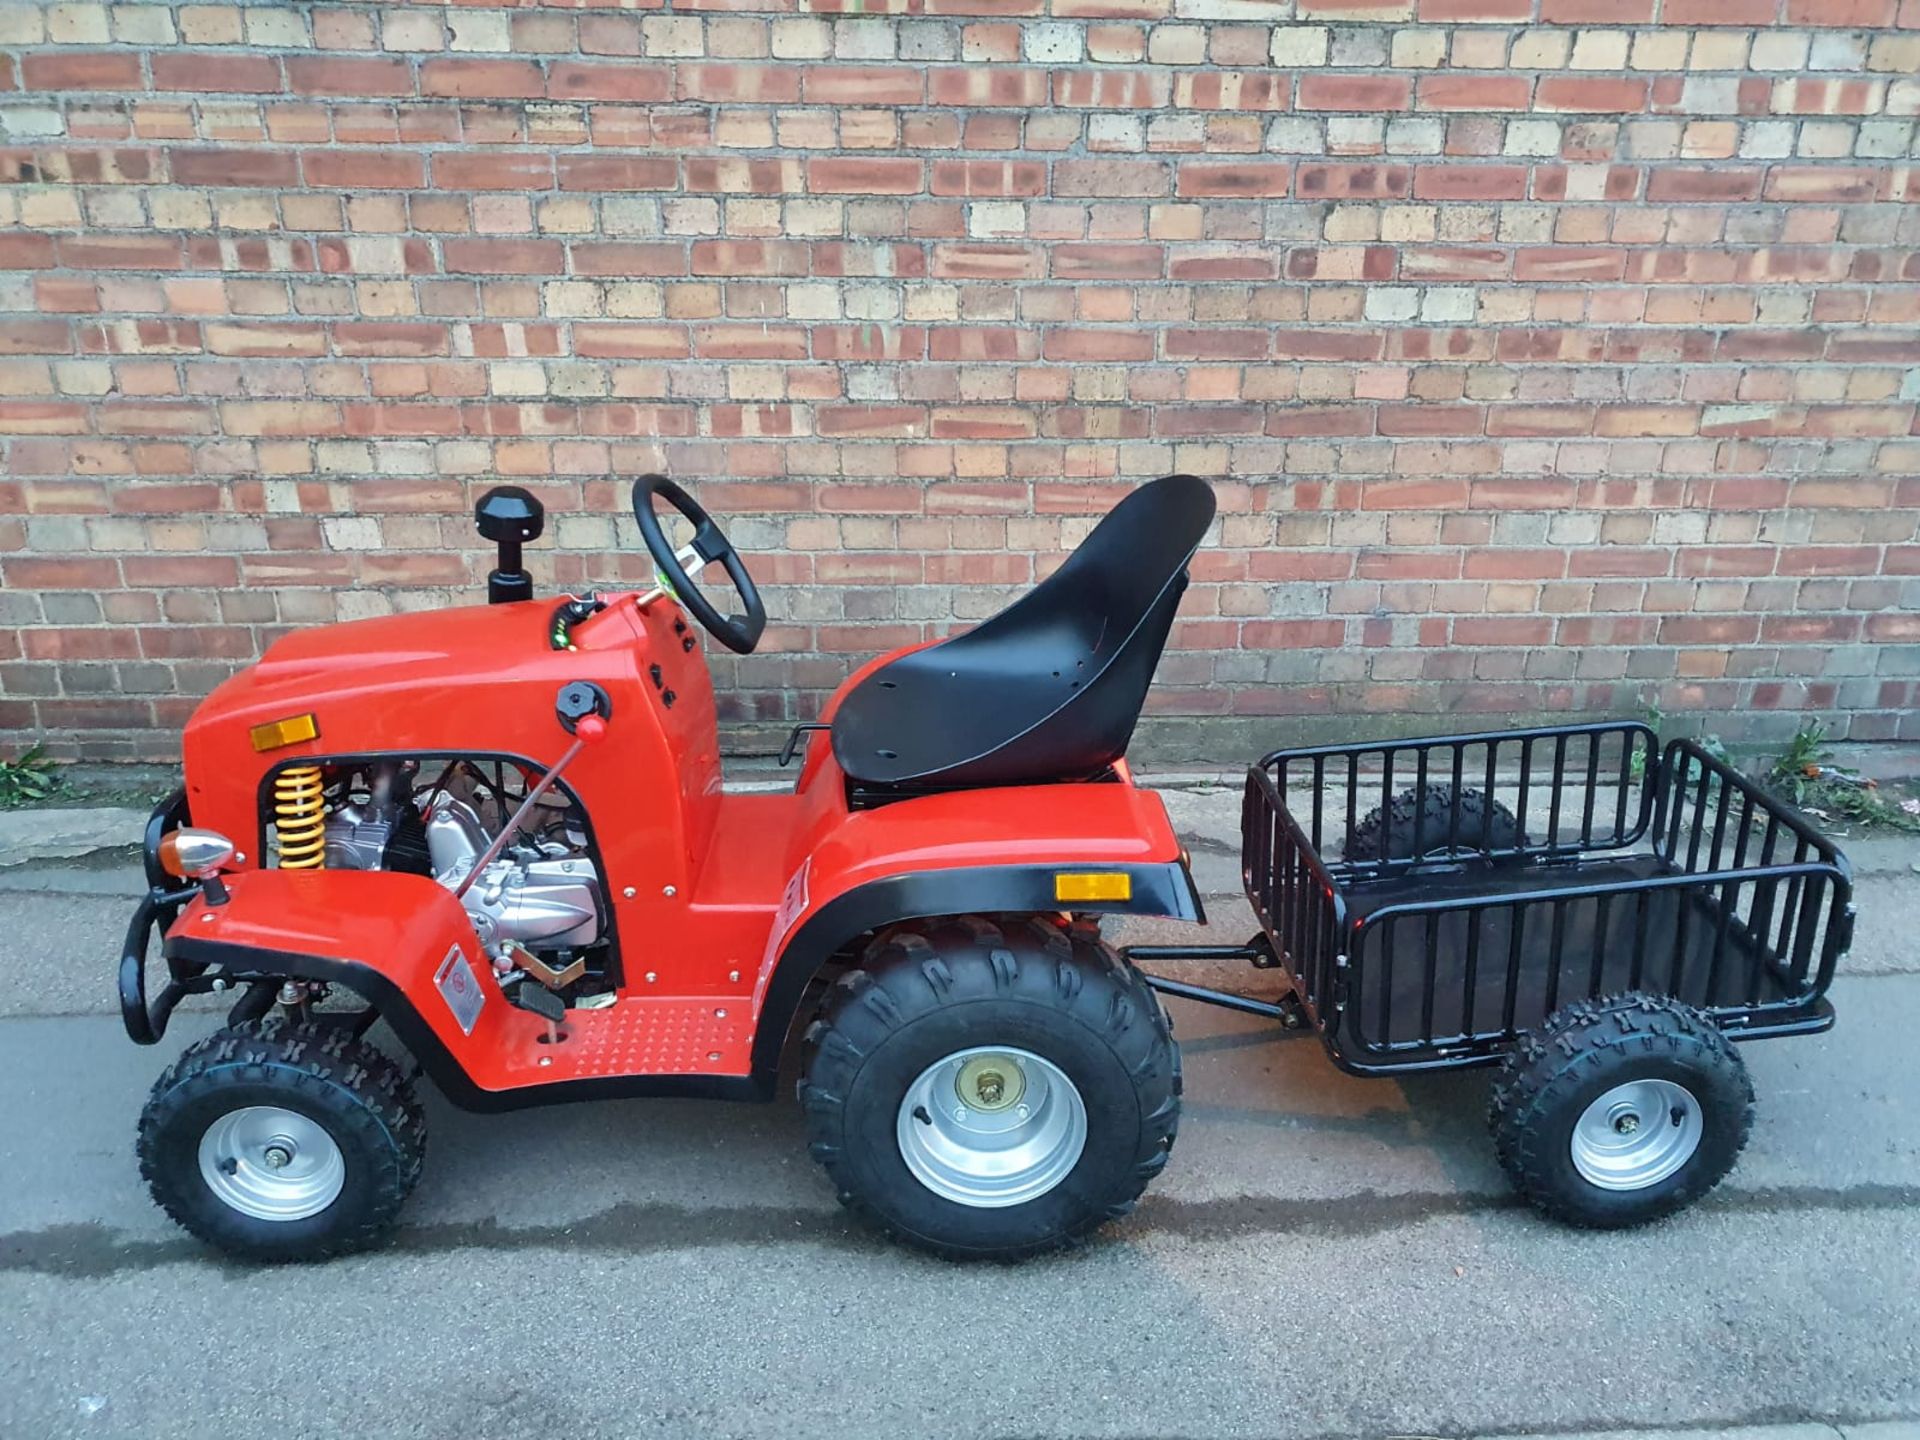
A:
(28, 780)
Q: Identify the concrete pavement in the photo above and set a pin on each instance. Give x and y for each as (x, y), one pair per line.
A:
(1325, 1255)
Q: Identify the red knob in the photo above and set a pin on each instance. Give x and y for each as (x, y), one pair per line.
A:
(590, 728)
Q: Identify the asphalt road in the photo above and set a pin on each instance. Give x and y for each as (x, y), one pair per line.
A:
(1325, 1255)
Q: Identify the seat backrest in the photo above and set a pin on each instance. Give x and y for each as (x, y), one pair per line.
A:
(1052, 686)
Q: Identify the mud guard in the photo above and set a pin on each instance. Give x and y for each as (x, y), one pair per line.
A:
(400, 942)
(928, 856)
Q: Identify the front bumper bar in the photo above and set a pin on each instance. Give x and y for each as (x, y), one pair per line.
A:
(147, 1022)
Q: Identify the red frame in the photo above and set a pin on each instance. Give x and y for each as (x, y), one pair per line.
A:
(696, 877)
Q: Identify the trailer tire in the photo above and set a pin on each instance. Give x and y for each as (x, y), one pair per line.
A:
(1084, 1032)
(355, 1137)
(1620, 1111)
(1419, 817)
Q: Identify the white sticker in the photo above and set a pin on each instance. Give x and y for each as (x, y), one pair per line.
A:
(460, 988)
(793, 903)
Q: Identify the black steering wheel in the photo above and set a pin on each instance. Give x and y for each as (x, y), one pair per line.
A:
(739, 633)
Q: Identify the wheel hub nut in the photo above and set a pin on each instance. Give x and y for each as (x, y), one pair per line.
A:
(1627, 1124)
(278, 1157)
(990, 1082)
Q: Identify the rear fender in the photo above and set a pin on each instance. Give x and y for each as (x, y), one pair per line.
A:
(995, 851)
(400, 942)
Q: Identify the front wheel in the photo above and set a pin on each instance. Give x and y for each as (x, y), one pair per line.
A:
(1620, 1111)
(991, 1089)
(274, 1141)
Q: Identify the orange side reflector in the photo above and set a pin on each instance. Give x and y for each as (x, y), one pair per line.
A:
(1095, 885)
(290, 731)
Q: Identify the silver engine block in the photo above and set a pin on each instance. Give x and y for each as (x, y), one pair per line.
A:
(540, 892)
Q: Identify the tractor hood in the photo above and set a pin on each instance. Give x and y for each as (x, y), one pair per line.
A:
(436, 679)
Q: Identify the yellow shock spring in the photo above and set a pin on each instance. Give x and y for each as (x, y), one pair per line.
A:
(300, 818)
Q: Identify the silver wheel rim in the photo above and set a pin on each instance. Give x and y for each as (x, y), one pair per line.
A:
(1637, 1134)
(272, 1164)
(991, 1127)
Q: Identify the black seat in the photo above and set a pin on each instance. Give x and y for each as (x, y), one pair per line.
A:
(1051, 687)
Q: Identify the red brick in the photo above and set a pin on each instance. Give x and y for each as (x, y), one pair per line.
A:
(635, 83)
(998, 86)
(99, 70)
(864, 175)
(1470, 182)
(492, 170)
(332, 75)
(618, 172)
(1475, 92)
(483, 79)
(863, 85)
(751, 84)
(1108, 262)
(363, 169)
(234, 166)
(503, 257)
(1103, 346)
(1110, 178)
(1591, 94)
(224, 74)
(989, 177)
(1355, 92)
(1232, 179)
(1845, 13)
(25, 250)
(1677, 183)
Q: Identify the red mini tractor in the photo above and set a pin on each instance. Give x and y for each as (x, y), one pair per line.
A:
(501, 831)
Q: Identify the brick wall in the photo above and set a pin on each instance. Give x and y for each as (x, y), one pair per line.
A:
(1553, 355)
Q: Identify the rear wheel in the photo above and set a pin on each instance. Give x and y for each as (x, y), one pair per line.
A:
(991, 1089)
(276, 1141)
(1620, 1111)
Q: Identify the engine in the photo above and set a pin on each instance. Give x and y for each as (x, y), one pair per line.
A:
(541, 894)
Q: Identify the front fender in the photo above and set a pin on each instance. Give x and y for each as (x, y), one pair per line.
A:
(997, 851)
(400, 942)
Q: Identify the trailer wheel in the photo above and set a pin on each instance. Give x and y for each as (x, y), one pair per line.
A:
(1620, 1111)
(1415, 825)
(991, 1089)
(275, 1141)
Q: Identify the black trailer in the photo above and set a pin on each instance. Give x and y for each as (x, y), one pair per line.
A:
(1595, 914)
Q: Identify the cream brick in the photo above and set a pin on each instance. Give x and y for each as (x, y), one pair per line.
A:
(1350, 223)
(570, 299)
(1299, 45)
(868, 38)
(78, 25)
(1600, 50)
(413, 30)
(993, 219)
(517, 377)
(1719, 50)
(1897, 53)
(1409, 222)
(672, 35)
(1177, 45)
(22, 25)
(1418, 49)
(277, 29)
(1540, 50)
(635, 299)
(801, 39)
(1779, 50)
(1768, 139)
(1838, 50)
(210, 25)
(1058, 43)
(1116, 132)
(143, 25)
(1532, 137)
(1660, 50)
(482, 31)
(1392, 302)
(351, 532)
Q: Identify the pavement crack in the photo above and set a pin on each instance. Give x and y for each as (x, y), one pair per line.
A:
(93, 1251)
